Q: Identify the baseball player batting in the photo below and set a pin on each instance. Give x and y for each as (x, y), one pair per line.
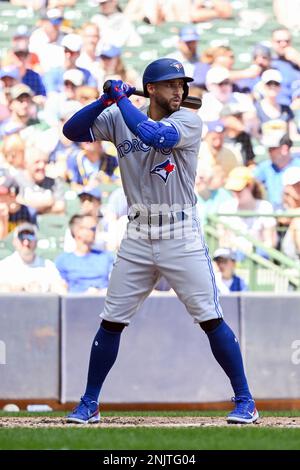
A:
(157, 147)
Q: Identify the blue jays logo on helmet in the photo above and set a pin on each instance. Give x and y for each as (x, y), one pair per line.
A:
(163, 170)
(177, 65)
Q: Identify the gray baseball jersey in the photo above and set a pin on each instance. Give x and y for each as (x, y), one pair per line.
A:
(154, 177)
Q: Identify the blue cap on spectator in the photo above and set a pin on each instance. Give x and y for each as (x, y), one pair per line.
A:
(94, 192)
(215, 126)
(261, 50)
(189, 33)
(9, 71)
(110, 51)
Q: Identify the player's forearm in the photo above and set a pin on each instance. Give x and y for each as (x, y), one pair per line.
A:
(78, 127)
(132, 116)
(155, 134)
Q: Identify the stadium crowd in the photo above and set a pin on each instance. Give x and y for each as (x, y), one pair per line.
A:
(248, 160)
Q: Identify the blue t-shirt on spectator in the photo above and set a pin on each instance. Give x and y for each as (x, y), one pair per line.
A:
(34, 81)
(271, 177)
(290, 73)
(238, 284)
(82, 272)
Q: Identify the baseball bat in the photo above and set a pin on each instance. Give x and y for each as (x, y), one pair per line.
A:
(191, 102)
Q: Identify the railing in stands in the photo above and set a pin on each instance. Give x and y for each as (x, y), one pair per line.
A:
(276, 272)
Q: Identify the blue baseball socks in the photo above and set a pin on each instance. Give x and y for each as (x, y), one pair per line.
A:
(226, 349)
(104, 352)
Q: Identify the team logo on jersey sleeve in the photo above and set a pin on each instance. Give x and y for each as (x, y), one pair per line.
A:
(163, 170)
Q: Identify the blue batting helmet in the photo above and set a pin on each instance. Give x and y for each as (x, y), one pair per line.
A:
(165, 69)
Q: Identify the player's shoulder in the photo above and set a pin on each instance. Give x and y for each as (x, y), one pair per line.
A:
(185, 115)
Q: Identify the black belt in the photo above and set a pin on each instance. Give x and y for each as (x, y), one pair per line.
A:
(157, 219)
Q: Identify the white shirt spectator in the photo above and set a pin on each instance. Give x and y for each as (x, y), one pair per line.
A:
(211, 107)
(40, 275)
(117, 30)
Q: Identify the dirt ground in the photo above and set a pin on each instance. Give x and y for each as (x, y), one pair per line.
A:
(145, 421)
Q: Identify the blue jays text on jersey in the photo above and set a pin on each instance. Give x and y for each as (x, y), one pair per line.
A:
(136, 145)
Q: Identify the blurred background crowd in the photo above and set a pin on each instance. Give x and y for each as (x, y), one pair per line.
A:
(62, 208)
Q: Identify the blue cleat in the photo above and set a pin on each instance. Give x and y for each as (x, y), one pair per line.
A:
(87, 412)
(244, 412)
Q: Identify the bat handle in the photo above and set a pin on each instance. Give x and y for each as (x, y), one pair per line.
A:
(106, 86)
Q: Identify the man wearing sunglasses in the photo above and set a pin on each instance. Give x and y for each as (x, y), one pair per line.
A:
(286, 59)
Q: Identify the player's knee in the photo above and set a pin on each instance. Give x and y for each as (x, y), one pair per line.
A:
(113, 326)
(210, 325)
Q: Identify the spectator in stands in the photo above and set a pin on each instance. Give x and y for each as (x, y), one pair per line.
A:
(220, 93)
(226, 279)
(91, 204)
(22, 110)
(38, 4)
(37, 190)
(88, 57)
(150, 12)
(9, 76)
(46, 39)
(290, 244)
(187, 52)
(57, 102)
(19, 58)
(86, 94)
(196, 11)
(115, 26)
(295, 107)
(248, 196)
(176, 10)
(61, 148)
(24, 270)
(237, 138)
(13, 149)
(223, 56)
(210, 191)
(270, 172)
(54, 78)
(88, 164)
(22, 33)
(85, 270)
(12, 212)
(269, 107)
(286, 12)
(214, 152)
(113, 67)
(202, 10)
(262, 58)
(286, 59)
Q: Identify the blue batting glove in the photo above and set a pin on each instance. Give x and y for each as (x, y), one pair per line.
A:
(106, 100)
(119, 90)
(129, 90)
